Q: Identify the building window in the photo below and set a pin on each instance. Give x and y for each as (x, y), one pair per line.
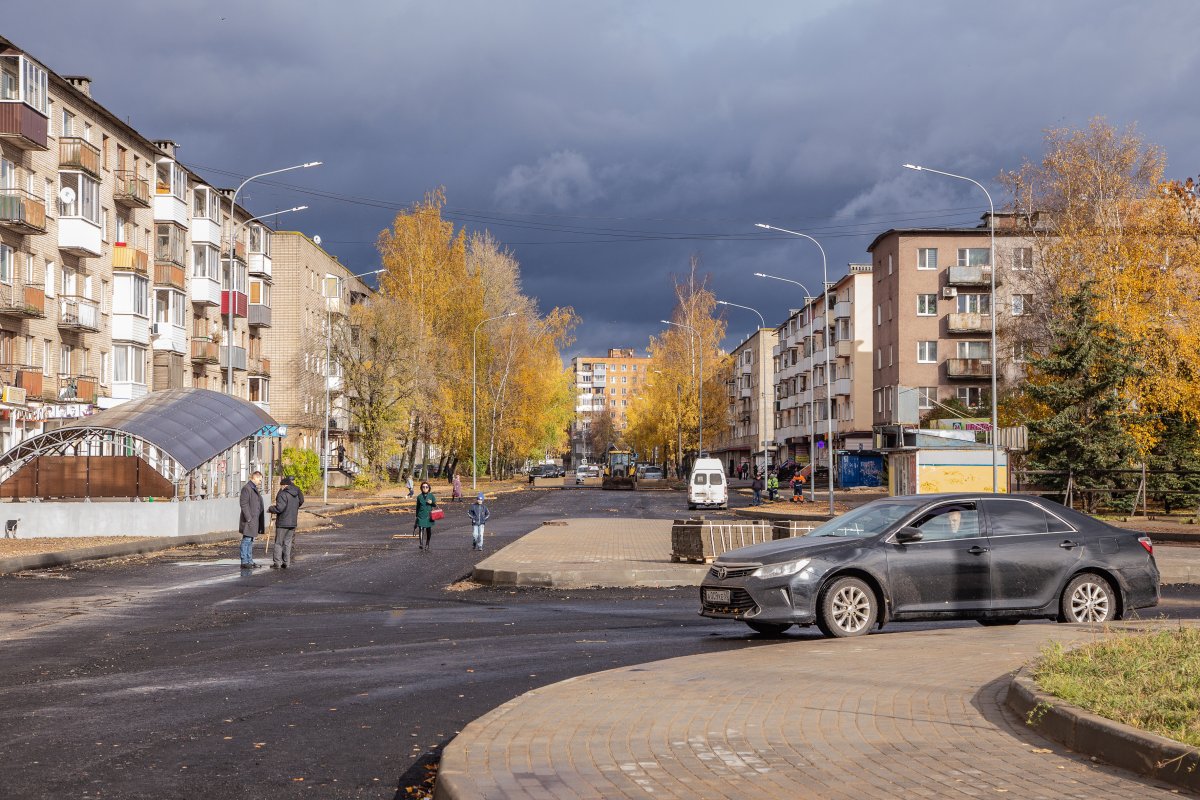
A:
(84, 194)
(878, 314)
(1021, 304)
(927, 305)
(129, 363)
(927, 258)
(973, 350)
(1021, 352)
(926, 397)
(6, 264)
(927, 352)
(131, 295)
(973, 256)
(971, 396)
(974, 303)
(1022, 258)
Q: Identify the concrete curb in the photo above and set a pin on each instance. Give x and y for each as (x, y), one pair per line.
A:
(1092, 735)
(61, 558)
(666, 576)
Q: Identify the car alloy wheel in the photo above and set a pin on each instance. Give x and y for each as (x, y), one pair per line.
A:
(848, 608)
(1088, 598)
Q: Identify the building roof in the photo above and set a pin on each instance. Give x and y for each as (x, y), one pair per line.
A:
(191, 425)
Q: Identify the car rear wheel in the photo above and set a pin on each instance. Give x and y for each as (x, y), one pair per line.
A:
(993, 622)
(769, 628)
(848, 607)
(1088, 598)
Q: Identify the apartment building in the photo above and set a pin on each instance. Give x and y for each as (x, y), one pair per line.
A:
(98, 228)
(603, 382)
(931, 315)
(303, 276)
(841, 321)
(750, 391)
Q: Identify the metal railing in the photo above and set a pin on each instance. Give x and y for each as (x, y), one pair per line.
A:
(77, 153)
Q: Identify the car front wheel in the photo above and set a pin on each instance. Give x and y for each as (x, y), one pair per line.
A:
(848, 607)
(1088, 598)
(769, 628)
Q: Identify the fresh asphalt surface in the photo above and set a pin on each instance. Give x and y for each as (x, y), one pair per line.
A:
(179, 676)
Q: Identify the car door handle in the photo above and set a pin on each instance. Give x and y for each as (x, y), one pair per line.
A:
(1068, 544)
(977, 550)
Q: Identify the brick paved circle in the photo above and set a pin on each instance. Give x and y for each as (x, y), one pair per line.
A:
(898, 714)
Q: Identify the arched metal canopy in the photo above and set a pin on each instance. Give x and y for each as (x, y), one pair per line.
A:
(192, 426)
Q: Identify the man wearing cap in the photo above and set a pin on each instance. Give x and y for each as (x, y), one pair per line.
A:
(479, 515)
(286, 510)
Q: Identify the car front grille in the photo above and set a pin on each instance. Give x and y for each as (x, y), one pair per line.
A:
(740, 602)
(739, 572)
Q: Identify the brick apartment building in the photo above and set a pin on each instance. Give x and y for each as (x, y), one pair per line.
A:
(602, 382)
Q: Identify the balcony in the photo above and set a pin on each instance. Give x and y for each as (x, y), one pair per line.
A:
(260, 264)
(23, 127)
(172, 275)
(78, 314)
(841, 310)
(239, 304)
(24, 377)
(239, 358)
(968, 323)
(845, 348)
(970, 276)
(130, 190)
(842, 387)
(21, 212)
(205, 351)
(80, 154)
(969, 367)
(260, 366)
(132, 259)
(76, 389)
(260, 316)
(205, 291)
(79, 236)
(23, 300)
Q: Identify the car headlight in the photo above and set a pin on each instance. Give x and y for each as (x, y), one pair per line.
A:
(780, 570)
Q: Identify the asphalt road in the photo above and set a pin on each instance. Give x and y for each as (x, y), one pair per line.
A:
(180, 676)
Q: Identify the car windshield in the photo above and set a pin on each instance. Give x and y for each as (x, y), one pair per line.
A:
(869, 520)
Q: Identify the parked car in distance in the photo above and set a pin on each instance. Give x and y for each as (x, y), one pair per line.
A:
(653, 474)
(707, 487)
(585, 471)
(994, 558)
(545, 471)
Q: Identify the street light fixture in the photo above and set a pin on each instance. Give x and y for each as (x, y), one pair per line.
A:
(474, 418)
(825, 341)
(992, 269)
(700, 387)
(233, 230)
(328, 336)
(762, 385)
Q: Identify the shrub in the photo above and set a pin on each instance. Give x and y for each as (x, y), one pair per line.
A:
(304, 466)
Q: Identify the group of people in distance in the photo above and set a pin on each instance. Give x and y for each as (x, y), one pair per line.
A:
(288, 501)
(771, 485)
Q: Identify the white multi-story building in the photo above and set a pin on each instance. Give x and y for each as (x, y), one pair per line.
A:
(750, 390)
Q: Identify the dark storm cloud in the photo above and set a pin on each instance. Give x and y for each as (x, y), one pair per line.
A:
(608, 142)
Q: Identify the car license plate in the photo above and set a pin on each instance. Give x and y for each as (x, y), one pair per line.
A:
(717, 596)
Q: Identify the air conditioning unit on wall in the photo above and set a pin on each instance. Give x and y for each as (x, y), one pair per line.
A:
(949, 293)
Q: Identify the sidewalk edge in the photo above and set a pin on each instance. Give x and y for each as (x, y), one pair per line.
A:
(1112, 742)
(60, 558)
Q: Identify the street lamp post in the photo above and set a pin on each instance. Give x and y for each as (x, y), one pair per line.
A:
(700, 382)
(474, 417)
(825, 341)
(233, 244)
(762, 386)
(328, 341)
(813, 395)
(992, 303)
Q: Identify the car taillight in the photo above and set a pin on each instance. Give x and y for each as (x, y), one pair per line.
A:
(1145, 542)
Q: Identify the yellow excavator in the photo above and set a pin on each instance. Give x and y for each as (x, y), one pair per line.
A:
(620, 471)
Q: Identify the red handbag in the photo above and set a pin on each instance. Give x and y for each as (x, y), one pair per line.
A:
(436, 514)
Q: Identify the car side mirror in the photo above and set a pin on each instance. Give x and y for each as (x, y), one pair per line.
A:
(906, 535)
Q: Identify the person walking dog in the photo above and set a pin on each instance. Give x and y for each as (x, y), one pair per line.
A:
(253, 521)
(479, 514)
(426, 506)
(286, 511)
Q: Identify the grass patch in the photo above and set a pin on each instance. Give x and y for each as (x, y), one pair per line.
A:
(1148, 680)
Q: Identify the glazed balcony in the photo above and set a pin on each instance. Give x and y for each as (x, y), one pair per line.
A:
(130, 190)
(172, 275)
(76, 389)
(970, 276)
(968, 323)
(19, 299)
(78, 314)
(969, 367)
(260, 316)
(80, 154)
(23, 127)
(205, 351)
(22, 212)
(130, 259)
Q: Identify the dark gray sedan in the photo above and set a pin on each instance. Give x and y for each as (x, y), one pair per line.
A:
(990, 557)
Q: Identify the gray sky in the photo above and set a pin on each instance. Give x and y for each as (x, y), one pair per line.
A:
(607, 142)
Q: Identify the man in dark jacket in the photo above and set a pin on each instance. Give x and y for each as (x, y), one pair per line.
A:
(756, 486)
(253, 521)
(286, 510)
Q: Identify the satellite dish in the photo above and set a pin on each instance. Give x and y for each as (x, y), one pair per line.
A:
(316, 239)
(67, 195)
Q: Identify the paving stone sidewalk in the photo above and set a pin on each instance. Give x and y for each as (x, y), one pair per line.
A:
(903, 714)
